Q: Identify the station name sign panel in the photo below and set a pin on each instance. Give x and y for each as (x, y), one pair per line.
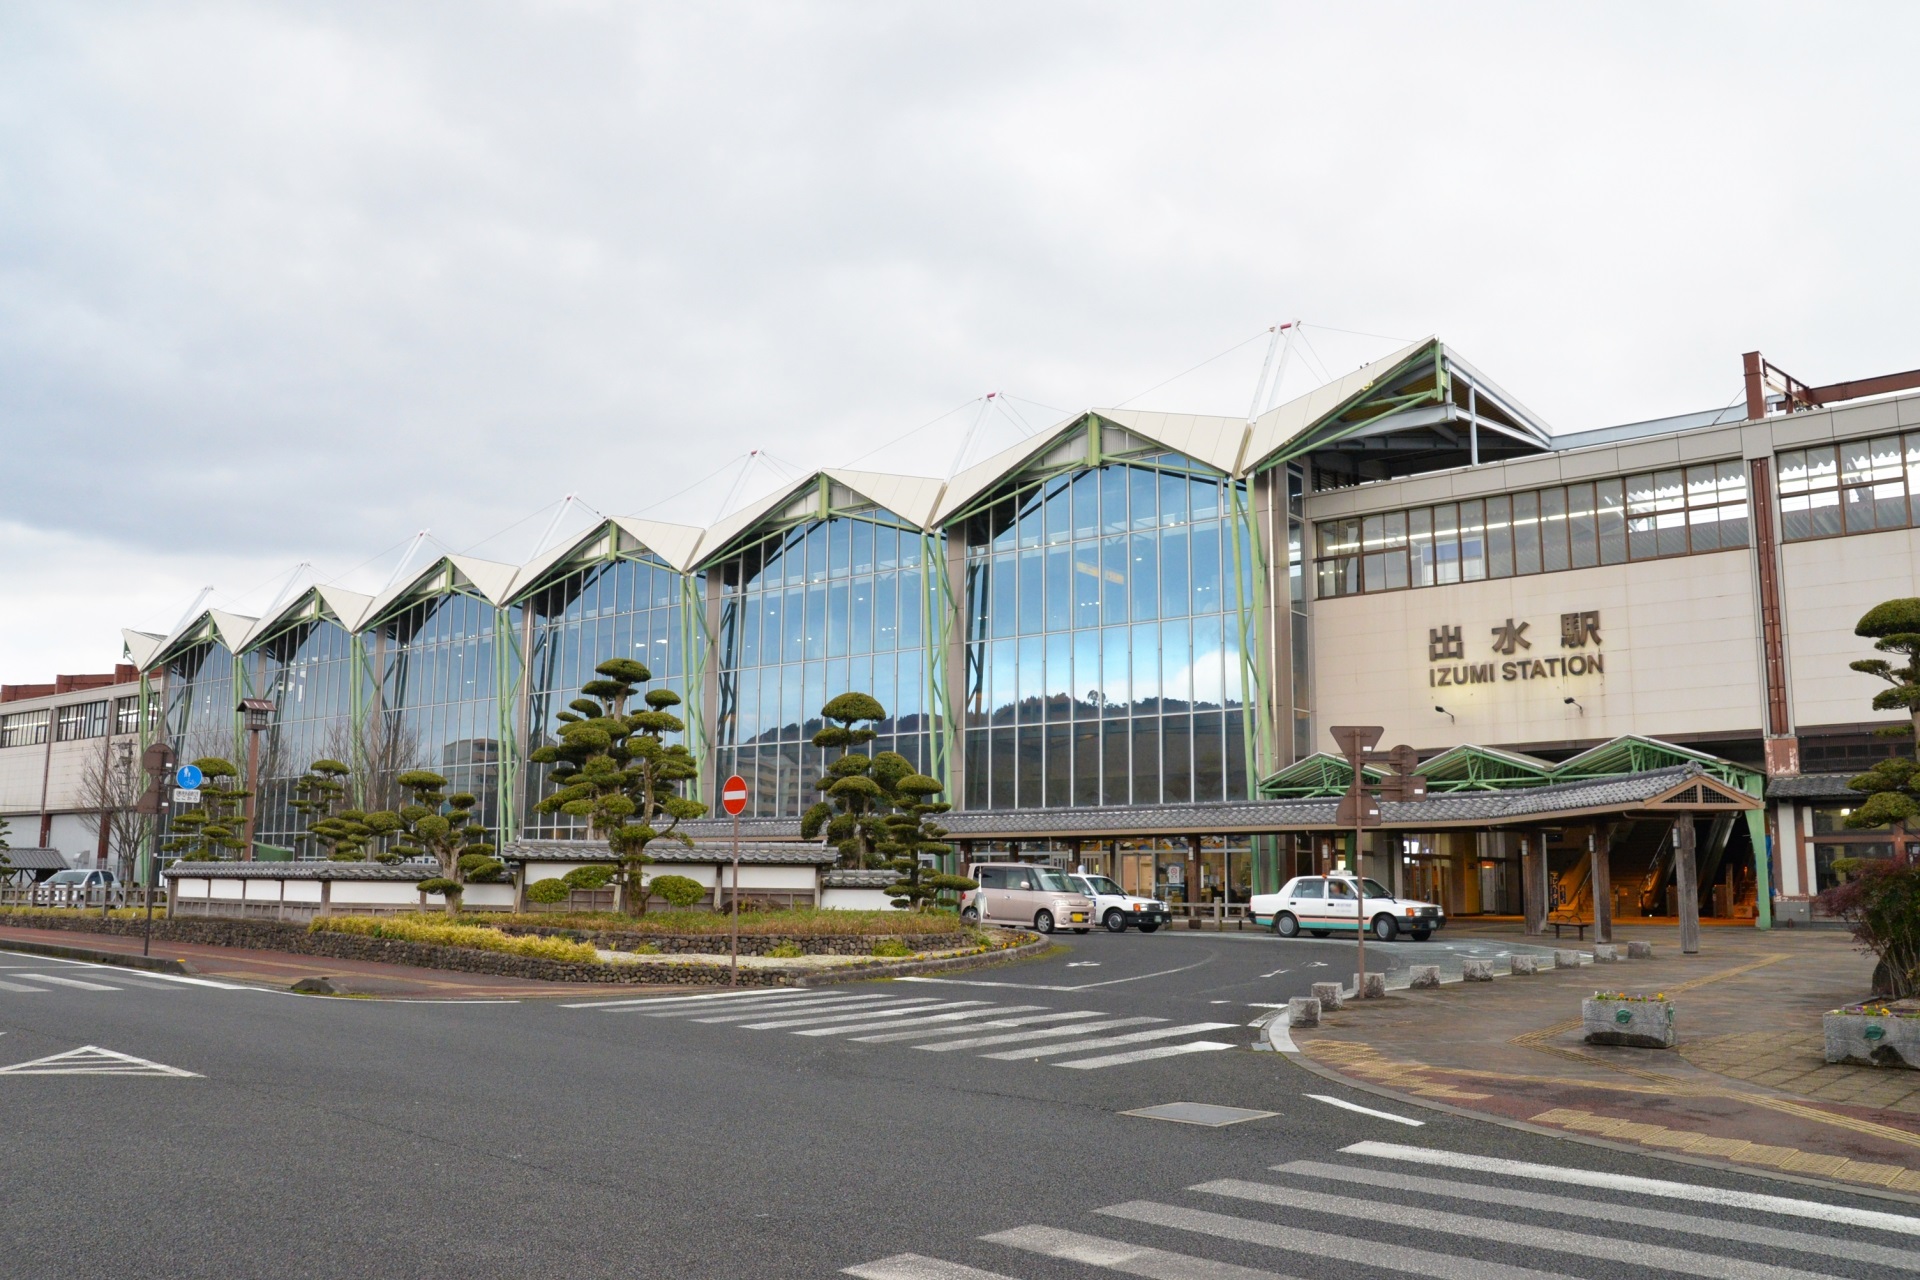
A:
(1449, 664)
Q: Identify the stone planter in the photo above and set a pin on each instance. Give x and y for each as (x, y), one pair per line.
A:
(1330, 995)
(1872, 1039)
(1640, 1024)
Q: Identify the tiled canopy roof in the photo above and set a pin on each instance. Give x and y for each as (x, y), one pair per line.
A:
(793, 854)
(400, 871)
(1813, 786)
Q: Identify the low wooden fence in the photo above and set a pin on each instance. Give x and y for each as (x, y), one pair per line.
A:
(97, 899)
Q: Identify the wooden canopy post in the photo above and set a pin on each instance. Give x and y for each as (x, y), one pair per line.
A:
(1601, 878)
(1533, 880)
(1686, 879)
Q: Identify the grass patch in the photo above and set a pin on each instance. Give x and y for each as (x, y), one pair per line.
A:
(75, 913)
(798, 922)
(440, 933)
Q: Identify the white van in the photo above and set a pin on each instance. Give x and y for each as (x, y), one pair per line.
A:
(1022, 894)
(1114, 908)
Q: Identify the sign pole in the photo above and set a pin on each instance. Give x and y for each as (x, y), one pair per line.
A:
(733, 798)
(1360, 893)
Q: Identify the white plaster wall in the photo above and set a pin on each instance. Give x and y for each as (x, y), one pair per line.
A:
(762, 877)
(1680, 638)
(484, 897)
(1826, 586)
(855, 900)
(70, 833)
(385, 893)
(705, 875)
(303, 891)
(20, 769)
(538, 871)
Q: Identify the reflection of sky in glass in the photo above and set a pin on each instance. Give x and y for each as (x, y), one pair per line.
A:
(307, 671)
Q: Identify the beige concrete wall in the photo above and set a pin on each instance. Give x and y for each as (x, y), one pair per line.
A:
(1826, 586)
(1679, 639)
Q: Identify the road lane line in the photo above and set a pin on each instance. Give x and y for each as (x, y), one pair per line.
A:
(1320, 1246)
(1659, 1257)
(1043, 1033)
(1841, 1214)
(1081, 986)
(756, 993)
(752, 1006)
(1118, 1255)
(1344, 1105)
(961, 1014)
(843, 1015)
(1146, 1055)
(1604, 1211)
(995, 1022)
(1105, 1042)
(912, 1266)
(23, 989)
(67, 982)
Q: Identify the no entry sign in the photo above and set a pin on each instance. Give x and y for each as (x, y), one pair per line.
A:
(733, 795)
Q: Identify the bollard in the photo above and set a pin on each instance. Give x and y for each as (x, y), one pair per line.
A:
(1519, 965)
(1329, 995)
(1566, 959)
(1639, 951)
(1303, 1011)
(1606, 953)
(1476, 970)
(1374, 987)
(1424, 976)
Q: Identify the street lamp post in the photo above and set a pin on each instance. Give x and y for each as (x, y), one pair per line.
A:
(256, 717)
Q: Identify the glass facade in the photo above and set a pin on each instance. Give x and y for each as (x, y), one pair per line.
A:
(204, 688)
(1103, 638)
(1857, 487)
(1683, 511)
(438, 704)
(309, 671)
(812, 611)
(628, 607)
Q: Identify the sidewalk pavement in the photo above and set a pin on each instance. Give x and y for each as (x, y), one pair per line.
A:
(1748, 1086)
(355, 977)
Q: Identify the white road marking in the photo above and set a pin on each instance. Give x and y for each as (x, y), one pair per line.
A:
(92, 1060)
(1105, 1042)
(68, 982)
(1344, 1105)
(24, 989)
(1321, 1246)
(996, 1022)
(1658, 1219)
(1610, 1248)
(757, 993)
(1118, 1255)
(943, 1021)
(1016, 1037)
(117, 970)
(841, 1013)
(1084, 986)
(912, 1266)
(753, 1008)
(1843, 1214)
(1146, 1055)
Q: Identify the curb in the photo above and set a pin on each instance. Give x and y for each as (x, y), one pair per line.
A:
(1035, 945)
(1299, 1059)
(126, 961)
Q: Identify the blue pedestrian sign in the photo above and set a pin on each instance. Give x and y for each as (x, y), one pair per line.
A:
(188, 777)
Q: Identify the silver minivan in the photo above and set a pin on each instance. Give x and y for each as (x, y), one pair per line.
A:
(1020, 893)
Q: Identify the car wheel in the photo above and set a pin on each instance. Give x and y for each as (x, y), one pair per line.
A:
(1286, 926)
(970, 915)
(1385, 929)
(1115, 921)
(1318, 933)
(1421, 935)
(1148, 928)
(1044, 922)
(1089, 930)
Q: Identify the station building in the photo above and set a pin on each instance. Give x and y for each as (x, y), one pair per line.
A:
(1121, 644)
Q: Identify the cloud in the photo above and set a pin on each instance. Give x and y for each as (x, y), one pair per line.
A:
(290, 283)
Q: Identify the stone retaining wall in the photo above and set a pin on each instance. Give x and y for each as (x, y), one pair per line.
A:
(757, 944)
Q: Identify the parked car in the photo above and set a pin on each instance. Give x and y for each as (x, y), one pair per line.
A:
(1328, 904)
(71, 883)
(1022, 894)
(1115, 908)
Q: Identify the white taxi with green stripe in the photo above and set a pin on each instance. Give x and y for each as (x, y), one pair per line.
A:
(1320, 905)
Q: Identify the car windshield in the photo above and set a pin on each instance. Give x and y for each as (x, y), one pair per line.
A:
(1054, 882)
(1374, 888)
(1100, 884)
(67, 877)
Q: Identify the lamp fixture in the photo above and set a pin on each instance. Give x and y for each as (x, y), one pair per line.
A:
(1571, 703)
(1448, 714)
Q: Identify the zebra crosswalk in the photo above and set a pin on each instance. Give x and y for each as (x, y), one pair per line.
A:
(75, 977)
(1077, 1039)
(1369, 1212)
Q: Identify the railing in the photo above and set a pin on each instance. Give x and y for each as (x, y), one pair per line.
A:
(1213, 915)
(94, 899)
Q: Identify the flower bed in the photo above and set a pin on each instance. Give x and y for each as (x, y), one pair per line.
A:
(1873, 1036)
(1630, 1019)
(799, 932)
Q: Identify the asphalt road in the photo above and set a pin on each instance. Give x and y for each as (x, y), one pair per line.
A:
(322, 1137)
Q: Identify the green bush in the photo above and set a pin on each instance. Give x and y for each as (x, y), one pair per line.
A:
(436, 932)
(442, 885)
(548, 892)
(1881, 901)
(589, 877)
(679, 891)
(786, 951)
(481, 868)
(795, 922)
(891, 947)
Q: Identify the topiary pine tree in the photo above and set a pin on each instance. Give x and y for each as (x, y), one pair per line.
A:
(1892, 786)
(911, 832)
(212, 830)
(317, 797)
(615, 768)
(445, 828)
(853, 814)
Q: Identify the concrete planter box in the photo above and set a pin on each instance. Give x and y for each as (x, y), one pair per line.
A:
(1872, 1040)
(1640, 1024)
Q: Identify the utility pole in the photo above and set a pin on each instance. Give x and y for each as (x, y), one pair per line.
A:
(258, 716)
(1360, 811)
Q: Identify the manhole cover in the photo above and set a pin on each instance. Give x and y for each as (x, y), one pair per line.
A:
(1199, 1113)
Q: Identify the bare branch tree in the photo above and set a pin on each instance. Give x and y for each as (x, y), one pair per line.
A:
(109, 787)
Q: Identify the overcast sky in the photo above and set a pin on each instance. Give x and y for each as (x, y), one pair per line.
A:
(285, 283)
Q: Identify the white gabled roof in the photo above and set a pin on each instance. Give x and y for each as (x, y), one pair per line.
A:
(727, 528)
(912, 498)
(493, 580)
(981, 476)
(349, 608)
(673, 543)
(1205, 437)
(677, 544)
(141, 646)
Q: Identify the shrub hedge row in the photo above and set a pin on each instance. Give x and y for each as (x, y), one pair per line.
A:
(473, 937)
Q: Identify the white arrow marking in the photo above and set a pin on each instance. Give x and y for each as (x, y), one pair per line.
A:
(92, 1060)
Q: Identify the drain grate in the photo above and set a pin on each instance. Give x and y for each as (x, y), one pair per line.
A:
(1202, 1113)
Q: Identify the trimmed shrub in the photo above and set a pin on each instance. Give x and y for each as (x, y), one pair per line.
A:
(680, 892)
(786, 951)
(1880, 900)
(549, 892)
(589, 877)
(891, 947)
(434, 932)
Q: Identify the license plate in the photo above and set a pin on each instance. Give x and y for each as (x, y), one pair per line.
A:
(1079, 916)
